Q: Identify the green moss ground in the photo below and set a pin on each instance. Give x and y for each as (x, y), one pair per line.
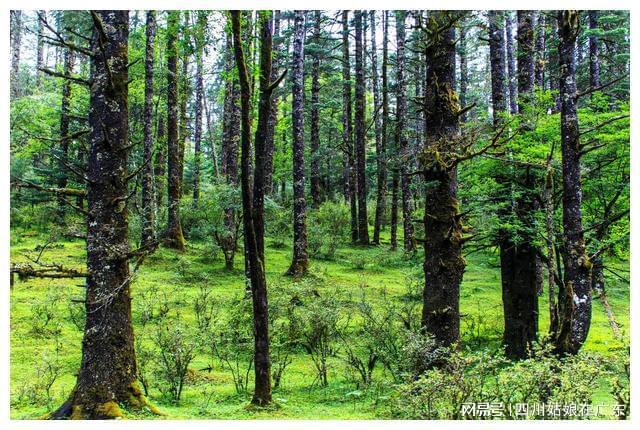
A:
(212, 394)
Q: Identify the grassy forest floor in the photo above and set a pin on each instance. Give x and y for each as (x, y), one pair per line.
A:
(41, 317)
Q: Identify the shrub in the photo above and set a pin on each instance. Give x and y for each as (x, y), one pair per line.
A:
(328, 227)
(175, 349)
(278, 224)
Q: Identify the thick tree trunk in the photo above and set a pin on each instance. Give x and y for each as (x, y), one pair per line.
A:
(173, 237)
(300, 261)
(403, 151)
(347, 129)
(594, 59)
(160, 163)
(526, 54)
(360, 150)
(148, 200)
(197, 135)
(540, 50)
(550, 232)
(107, 376)
(253, 215)
(273, 116)
(315, 114)
(498, 75)
(381, 123)
(575, 298)
(511, 65)
(443, 262)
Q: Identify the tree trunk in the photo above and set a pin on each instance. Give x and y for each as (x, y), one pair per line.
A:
(184, 94)
(464, 70)
(403, 155)
(315, 114)
(350, 177)
(526, 68)
(160, 163)
(511, 65)
(229, 153)
(16, 42)
(381, 124)
(253, 215)
(443, 262)
(300, 261)
(107, 376)
(173, 237)
(148, 209)
(65, 121)
(540, 51)
(575, 297)
(40, 49)
(594, 61)
(360, 150)
(197, 135)
(273, 116)
(550, 231)
(498, 75)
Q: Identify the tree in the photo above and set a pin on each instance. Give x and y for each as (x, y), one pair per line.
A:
(511, 65)
(16, 42)
(526, 53)
(40, 49)
(108, 370)
(200, 31)
(402, 147)
(173, 237)
(65, 122)
(574, 299)
(594, 59)
(443, 262)
(464, 69)
(148, 200)
(349, 177)
(253, 215)
(315, 115)
(273, 116)
(360, 150)
(540, 50)
(381, 124)
(300, 261)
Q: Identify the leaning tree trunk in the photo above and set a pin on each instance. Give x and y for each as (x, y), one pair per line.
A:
(148, 208)
(402, 146)
(300, 261)
(315, 114)
(173, 237)
(443, 262)
(511, 65)
(363, 228)
(575, 297)
(107, 375)
(349, 176)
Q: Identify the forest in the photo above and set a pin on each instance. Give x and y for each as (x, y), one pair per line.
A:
(319, 214)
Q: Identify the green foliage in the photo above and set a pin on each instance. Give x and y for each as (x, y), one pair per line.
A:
(328, 228)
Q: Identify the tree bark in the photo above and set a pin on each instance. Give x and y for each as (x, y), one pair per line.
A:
(381, 124)
(252, 215)
(360, 150)
(197, 135)
(65, 122)
(349, 176)
(511, 65)
(402, 146)
(173, 237)
(575, 296)
(16, 42)
(315, 114)
(526, 67)
(540, 50)
(273, 116)
(40, 49)
(594, 59)
(464, 69)
(498, 75)
(160, 162)
(107, 376)
(443, 262)
(148, 200)
(300, 260)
